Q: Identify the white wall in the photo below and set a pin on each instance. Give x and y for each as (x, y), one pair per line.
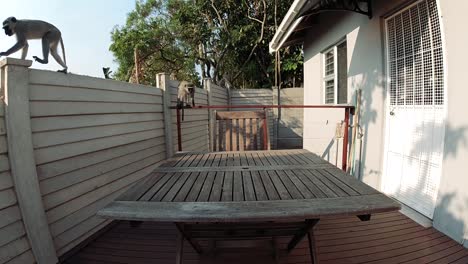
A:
(451, 215)
(366, 71)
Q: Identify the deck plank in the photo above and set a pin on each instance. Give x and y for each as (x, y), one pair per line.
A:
(267, 186)
(155, 243)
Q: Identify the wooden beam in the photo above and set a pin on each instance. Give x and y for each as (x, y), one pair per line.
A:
(248, 211)
(246, 168)
(15, 78)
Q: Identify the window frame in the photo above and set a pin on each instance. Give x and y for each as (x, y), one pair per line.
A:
(334, 76)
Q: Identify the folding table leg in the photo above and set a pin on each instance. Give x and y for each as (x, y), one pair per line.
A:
(309, 224)
(276, 254)
(313, 255)
(180, 248)
(194, 244)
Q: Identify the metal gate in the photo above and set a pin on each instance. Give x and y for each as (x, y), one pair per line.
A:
(416, 106)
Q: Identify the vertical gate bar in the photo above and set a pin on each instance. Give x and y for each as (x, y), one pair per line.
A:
(179, 133)
(265, 134)
(344, 160)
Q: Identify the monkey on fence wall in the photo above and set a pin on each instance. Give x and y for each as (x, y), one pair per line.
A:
(35, 29)
(185, 96)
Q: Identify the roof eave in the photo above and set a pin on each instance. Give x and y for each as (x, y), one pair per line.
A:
(287, 26)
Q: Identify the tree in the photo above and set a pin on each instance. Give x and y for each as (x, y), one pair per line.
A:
(224, 40)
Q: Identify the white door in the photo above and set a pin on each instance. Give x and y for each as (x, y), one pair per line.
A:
(416, 106)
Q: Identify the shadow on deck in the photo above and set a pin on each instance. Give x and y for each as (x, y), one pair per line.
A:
(387, 238)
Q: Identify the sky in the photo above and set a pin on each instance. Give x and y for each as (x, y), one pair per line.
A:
(85, 25)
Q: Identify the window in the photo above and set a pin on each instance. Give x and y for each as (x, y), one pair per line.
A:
(335, 79)
(415, 56)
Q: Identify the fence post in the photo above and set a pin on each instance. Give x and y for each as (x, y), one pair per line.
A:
(211, 124)
(15, 81)
(162, 80)
(277, 117)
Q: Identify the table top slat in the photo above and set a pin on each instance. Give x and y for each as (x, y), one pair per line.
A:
(330, 185)
(154, 188)
(300, 186)
(269, 187)
(319, 185)
(161, 193)
(260, 192)
(238, 187)
(186, 188)
(337, 183)
(311, 186)
(279, 186)
(141, 187)
(217, 188)
(246, 186)
(290, 187)
(174, 189)
(249, 190)
(205, 191)
(350, 181)
(227, 186)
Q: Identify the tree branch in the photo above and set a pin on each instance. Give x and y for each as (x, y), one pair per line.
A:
(260, 38)
(221, 21)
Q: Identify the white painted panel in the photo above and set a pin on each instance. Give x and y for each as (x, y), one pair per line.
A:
(14, 249)
(416, 119)
(59, 93)
(44, 108)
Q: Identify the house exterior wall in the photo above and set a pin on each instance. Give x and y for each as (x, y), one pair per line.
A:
(366, 71)
(451, 214)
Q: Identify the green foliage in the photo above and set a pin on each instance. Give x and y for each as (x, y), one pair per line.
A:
(225, 40)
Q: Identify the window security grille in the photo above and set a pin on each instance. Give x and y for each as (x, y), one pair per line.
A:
(415, 56)
(335, 79)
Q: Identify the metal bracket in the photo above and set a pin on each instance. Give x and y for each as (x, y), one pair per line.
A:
(366, 217)
(341, 5)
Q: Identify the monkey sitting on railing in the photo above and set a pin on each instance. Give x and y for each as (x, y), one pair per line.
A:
(185, 96)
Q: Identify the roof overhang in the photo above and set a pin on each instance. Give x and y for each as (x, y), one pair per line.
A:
(299, 17)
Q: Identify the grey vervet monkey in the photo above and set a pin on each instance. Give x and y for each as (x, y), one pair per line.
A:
(35, 29)
(185, 92)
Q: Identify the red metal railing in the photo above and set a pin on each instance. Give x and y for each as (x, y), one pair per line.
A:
(349, 110)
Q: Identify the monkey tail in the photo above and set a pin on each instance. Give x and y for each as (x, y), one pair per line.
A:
(63, 51)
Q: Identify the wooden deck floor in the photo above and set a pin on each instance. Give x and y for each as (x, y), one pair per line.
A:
(387, 238)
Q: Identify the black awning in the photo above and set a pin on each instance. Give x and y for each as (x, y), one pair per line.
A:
(310, 10)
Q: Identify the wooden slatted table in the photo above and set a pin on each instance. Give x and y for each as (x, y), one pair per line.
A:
(247, 194)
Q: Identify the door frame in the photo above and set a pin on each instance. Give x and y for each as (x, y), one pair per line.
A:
(384, 33)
